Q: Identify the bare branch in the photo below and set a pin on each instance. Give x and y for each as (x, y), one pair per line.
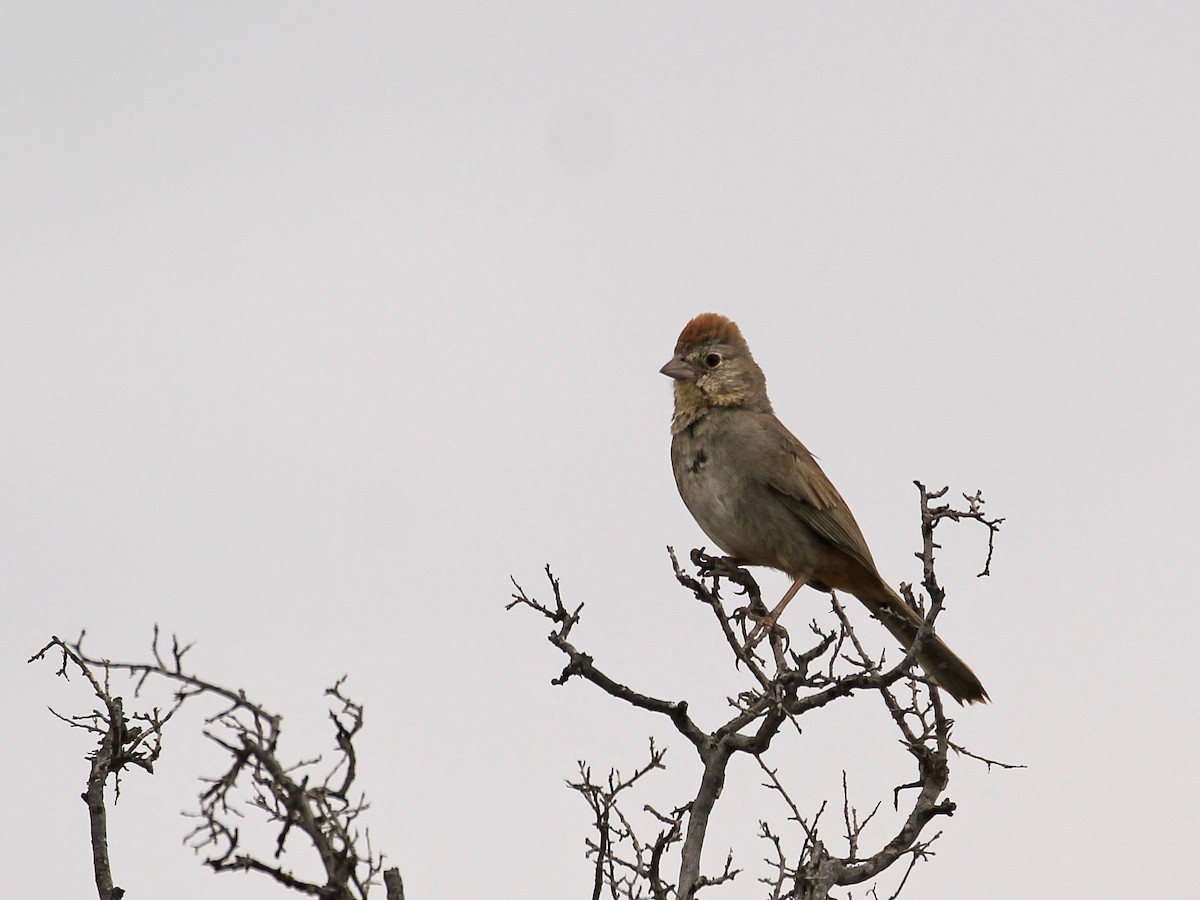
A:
(790, 683)
(322, 808)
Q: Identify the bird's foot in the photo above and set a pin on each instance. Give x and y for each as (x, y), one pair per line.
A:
(765, 623)
(720, 566)
(769, 623)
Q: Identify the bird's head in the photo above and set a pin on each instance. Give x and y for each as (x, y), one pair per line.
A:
(712, 366)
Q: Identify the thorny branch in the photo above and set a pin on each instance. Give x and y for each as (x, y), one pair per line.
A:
(122, 743)
(835, 666)
(323, 809)
(621, 860)
(931, 515)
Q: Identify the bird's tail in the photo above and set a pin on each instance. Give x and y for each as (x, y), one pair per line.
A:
(940, 663)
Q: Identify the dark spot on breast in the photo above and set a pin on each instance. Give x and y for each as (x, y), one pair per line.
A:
(698, 461)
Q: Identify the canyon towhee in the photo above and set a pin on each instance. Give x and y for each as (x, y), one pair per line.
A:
(761, 497)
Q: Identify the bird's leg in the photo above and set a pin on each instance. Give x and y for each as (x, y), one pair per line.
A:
(767, 623)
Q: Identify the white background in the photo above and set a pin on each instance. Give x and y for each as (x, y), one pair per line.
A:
(319, 321)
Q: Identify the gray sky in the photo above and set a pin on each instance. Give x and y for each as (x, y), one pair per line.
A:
(322, 320)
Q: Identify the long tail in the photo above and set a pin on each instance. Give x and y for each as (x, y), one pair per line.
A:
(939, 662)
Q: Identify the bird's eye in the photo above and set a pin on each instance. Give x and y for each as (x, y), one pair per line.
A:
(712, 360)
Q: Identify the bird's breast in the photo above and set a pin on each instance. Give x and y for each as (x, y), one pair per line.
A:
(729, 500)
(713, 489)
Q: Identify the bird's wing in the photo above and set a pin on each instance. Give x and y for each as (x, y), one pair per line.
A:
(793, 474)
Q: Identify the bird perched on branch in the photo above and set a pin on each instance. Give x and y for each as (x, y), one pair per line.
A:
(761, 497)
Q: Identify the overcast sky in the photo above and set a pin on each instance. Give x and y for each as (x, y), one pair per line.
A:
(319, 321)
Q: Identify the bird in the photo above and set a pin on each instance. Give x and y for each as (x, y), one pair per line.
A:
(759, 494)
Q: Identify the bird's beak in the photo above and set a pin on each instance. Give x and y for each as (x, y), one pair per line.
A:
(680, 370)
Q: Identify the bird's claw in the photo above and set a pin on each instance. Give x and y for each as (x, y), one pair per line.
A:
(764, 624)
